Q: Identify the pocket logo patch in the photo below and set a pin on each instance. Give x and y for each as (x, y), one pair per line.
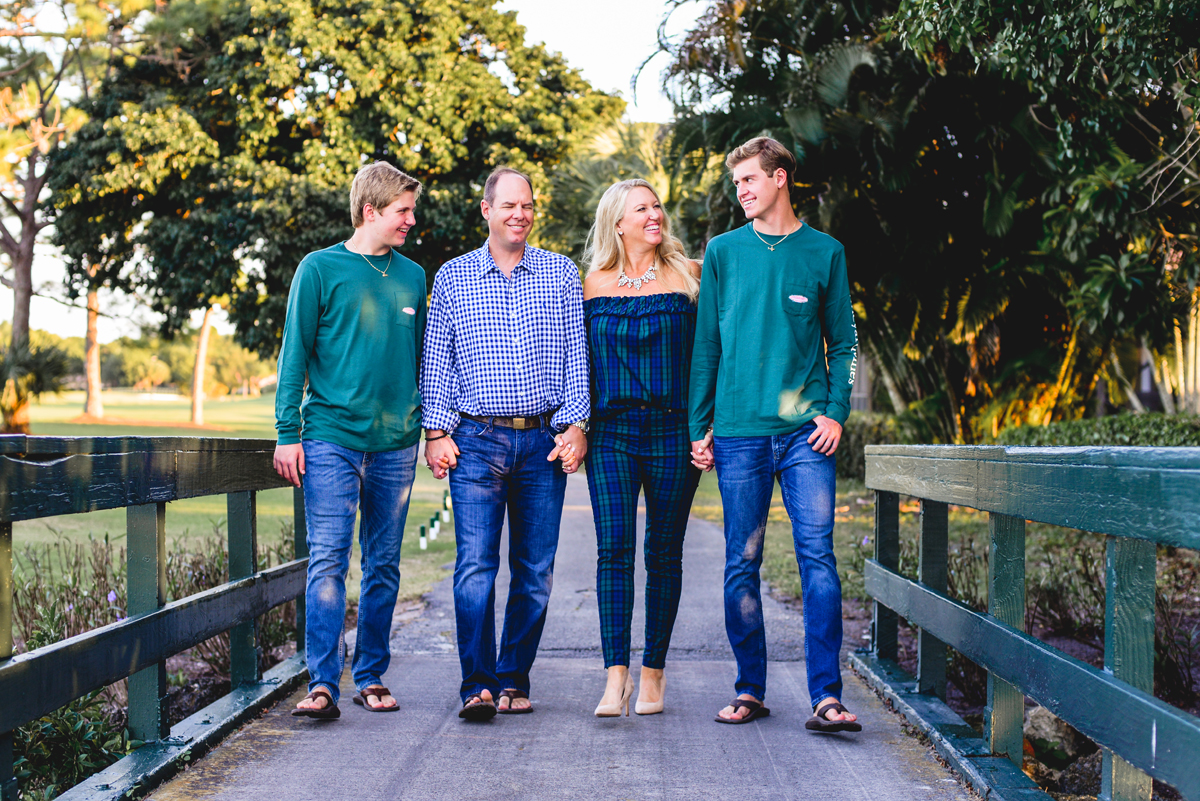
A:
(409, 310)
(797, 298)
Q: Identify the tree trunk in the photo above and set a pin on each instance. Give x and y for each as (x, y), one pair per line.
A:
(199, 370)
(1130, 393)
(93, 406)
(1160, 370)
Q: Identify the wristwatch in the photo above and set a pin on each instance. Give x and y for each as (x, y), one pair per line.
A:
(582, 425)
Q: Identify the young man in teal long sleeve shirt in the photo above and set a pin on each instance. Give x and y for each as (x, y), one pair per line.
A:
(772, 370)
(348, 412)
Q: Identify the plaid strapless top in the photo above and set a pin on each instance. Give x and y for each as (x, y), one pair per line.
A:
(640, 351)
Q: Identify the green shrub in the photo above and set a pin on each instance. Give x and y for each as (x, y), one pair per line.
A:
(1147, 430)
(862, 429)
(56, 752)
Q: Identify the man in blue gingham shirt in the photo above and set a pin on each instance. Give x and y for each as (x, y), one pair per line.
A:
(504, 388)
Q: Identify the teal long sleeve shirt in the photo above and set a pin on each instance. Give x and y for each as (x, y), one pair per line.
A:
(357, 335)
(776, 343)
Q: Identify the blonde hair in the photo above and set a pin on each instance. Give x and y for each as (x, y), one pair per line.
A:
(605, 250)
(379, 185)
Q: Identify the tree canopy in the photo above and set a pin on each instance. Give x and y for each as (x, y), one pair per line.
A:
(223, 153)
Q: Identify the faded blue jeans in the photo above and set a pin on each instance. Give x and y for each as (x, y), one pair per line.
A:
(747, 468)
(337, 482)
(499, 470)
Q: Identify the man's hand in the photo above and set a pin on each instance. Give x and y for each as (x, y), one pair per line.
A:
(570, 446)
(827, 436)
(289, 462)
(441, 455)
(702, 453)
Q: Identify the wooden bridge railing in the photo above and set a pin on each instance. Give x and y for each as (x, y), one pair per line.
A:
(45, 476)
(1138, 497)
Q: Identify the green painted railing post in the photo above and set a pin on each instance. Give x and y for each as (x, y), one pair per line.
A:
(301, 538)
(243, 558)
(1130, 573)
(931, 652)
(1004, 721)
(8, 782)
(146, 590)
(884, 639)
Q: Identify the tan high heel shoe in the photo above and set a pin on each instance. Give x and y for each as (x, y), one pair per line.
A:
(614, 710)
(648, 707)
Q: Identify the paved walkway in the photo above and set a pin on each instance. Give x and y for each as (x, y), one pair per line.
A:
(562, 751)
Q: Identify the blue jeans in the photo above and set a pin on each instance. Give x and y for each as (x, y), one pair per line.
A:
(337, 481)
(747, 468)
(501, 469)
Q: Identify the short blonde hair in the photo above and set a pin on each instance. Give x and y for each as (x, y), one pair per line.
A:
(772, 156)
(379, 185)
(606, 250)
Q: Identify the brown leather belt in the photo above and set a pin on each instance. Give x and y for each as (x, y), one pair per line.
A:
(517, 423)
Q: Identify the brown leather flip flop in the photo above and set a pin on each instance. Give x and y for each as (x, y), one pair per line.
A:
(511, 695)
(327, 712)
(477, 710)
(757, 711)
(378, 692)
(820, 723)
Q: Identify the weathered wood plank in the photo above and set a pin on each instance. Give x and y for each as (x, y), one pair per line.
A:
(243, 553)
(884, 632)
(933, 546)
(222, 472)
(191, 738)
(1147, 493)
(32, 486)
(994, 778)
(1150, 734)
(8, 781)
(1005, 716)
(146, 589)
(38, 682)
(1130, 568)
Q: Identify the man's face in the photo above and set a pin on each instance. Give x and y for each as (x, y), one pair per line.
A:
(510, 215)
(392, 224)
(757, 191)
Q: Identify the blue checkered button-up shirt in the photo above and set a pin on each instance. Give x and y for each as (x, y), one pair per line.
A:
(510, 347)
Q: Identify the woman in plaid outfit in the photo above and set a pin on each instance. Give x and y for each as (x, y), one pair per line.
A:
(640, 312)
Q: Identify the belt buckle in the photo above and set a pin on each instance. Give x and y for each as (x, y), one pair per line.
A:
(519, 423)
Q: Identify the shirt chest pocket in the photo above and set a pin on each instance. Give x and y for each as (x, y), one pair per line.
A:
(406, 309)
(800, 300)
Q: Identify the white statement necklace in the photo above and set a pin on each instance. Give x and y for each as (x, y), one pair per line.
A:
(636, 283)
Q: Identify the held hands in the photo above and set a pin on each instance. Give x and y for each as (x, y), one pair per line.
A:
(570, 446)
(289, 462)
(441, 454)
(827, 436)
(702, 453)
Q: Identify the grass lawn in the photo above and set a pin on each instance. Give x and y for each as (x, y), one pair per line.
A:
(190, 519)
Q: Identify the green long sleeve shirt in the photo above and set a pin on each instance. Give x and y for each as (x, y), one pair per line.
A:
(776, 343)
(357, 335)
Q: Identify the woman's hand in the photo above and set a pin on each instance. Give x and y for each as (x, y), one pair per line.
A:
(570, 447)
(702, 453)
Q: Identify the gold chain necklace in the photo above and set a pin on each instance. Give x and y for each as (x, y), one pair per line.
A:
(382, 272)
(771, 247)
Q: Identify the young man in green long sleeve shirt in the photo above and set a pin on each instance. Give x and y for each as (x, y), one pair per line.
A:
(772, 370)
(348, 413)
